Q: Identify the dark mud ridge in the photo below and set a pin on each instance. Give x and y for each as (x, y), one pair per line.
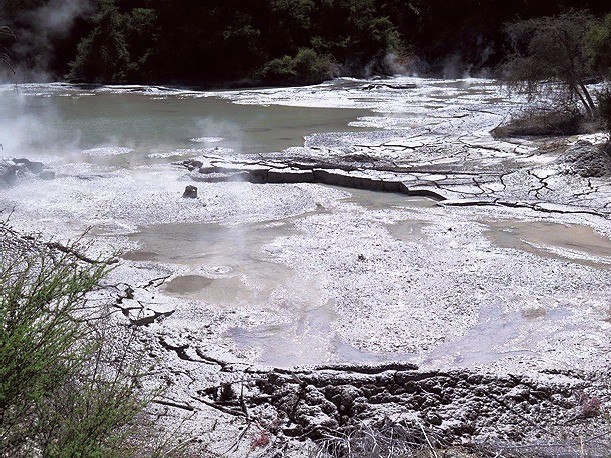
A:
(12, 170)
(455, 407)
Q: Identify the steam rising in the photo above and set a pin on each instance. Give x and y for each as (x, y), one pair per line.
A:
(58, 16)
(43, 26)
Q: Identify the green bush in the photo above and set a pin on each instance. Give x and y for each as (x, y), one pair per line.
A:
(604, 107)
(598, 46)
(278, 69)
(311, 67)
(307, 67)
(102, 56)
(70, 381)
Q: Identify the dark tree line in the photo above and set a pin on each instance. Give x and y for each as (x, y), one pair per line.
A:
(216, 42)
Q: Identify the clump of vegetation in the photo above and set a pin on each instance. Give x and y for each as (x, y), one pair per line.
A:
(230, 41)
(598, 46)
(307, 67)
(556, 56)
(559, 121)
(604, 107)
(103, 55)
(70, 383)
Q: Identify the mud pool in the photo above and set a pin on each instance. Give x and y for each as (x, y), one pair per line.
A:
(306, 273)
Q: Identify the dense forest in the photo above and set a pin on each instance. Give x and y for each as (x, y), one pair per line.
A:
(233, 42)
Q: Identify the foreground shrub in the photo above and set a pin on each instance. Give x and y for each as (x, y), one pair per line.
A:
(70, 381)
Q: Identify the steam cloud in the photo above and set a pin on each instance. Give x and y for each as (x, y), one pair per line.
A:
(57, 16)
(41, 28)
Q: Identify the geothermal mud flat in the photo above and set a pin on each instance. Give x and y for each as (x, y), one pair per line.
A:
(397, 263)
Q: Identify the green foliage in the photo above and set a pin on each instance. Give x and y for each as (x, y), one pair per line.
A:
(604, 107)
(216, 42)
(279, 69)
(141, 38)
(103, 56)
(65, 391)
(10, 9)
(310, 67)
(548, 47)
(293, 13)
(598, 46)
(307, 67)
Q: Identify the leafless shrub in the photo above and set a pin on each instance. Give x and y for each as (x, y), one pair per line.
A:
(551, 48)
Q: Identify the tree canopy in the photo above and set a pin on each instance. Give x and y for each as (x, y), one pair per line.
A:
(224, 42)
(551, 48)
(598, 46)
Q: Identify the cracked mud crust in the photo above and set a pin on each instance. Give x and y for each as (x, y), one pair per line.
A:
(573, 183)
(535, 406)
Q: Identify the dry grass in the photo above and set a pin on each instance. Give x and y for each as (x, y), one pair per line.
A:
(390, 440)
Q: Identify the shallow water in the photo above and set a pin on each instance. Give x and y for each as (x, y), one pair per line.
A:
(125, 129)
(238, 266)
(227, 264)
(569, 242)
(235, 266)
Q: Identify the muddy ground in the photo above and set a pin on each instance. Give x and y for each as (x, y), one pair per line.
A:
(417, 275)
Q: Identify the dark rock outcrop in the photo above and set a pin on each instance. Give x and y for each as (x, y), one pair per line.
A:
(12, 170)
(190, 192)
(8, 172)
(586, 160)
(32, 166)
(454, 407)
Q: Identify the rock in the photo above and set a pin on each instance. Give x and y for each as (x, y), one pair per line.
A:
(190, 192)
(11, 170)
(290, 176)
(586, 160)
(453, 405)
(32, 166)
(433, 419)
(8, 172)
(47, 175)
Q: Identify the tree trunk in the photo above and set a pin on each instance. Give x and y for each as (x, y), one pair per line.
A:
(576, 87)
(588, 97)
